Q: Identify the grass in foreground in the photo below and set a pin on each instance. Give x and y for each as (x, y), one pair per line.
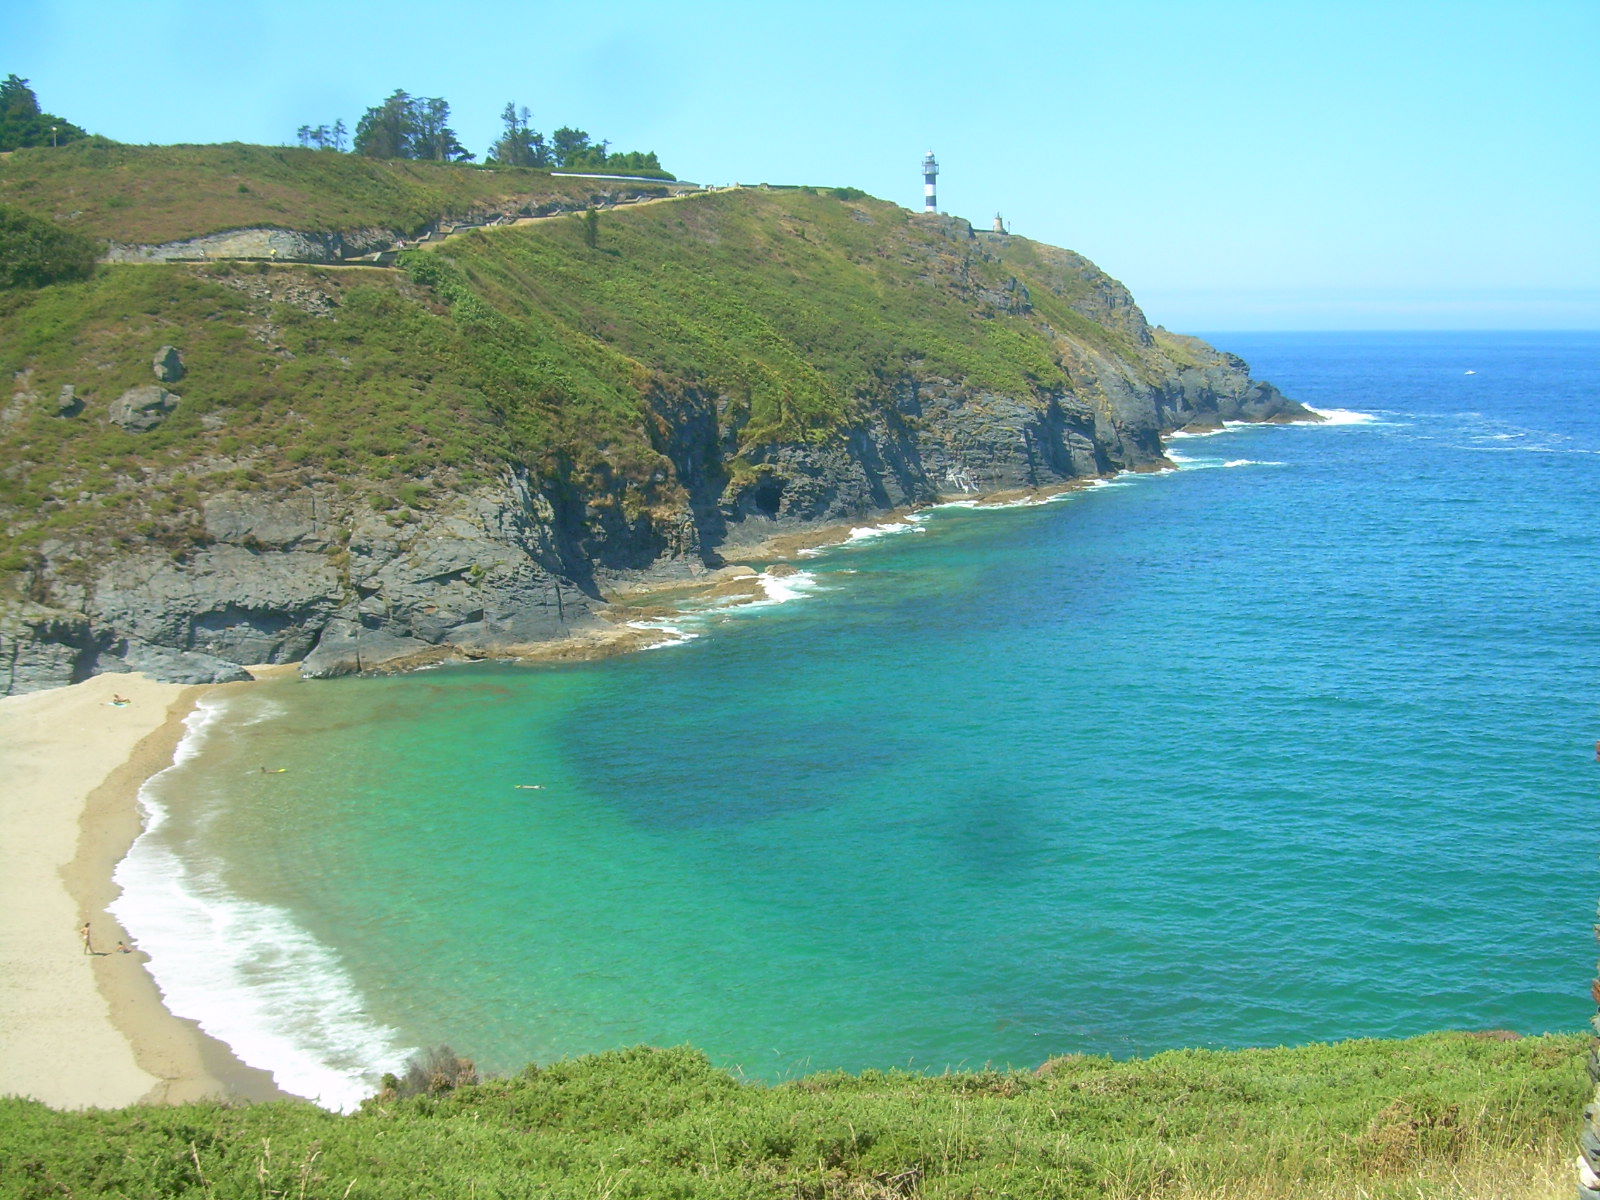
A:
(1446, 1115)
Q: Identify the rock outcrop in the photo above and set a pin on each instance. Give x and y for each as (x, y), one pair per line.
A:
(512, 566)
(320, 575)
(168, 364)
(141, 409)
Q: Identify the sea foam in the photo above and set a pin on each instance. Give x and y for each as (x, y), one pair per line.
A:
(867, 533)
(780, 589)
(245, 971)
(677, 635)
(1341, 416)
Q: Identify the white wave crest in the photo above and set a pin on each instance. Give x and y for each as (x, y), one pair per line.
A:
(868, 532)
(676, 634)
(245, 971)
(781, 589)
(1251, 462)
(1343, 416)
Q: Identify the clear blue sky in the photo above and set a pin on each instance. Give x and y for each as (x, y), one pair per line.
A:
(1240, 165)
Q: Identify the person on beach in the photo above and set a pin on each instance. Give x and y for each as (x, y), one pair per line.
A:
(84, 934)
(122, 948)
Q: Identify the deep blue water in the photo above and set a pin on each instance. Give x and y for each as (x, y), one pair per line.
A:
(1294, 743)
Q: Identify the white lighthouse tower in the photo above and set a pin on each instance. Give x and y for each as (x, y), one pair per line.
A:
(930, 172)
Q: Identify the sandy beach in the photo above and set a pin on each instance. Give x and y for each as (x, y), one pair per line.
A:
(88, 1029)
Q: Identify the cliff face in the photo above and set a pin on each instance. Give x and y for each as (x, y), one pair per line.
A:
(633, 410)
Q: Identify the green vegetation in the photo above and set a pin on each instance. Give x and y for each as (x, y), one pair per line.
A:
(799, 313)
(35, 252)
(409, 127)
(276, 397)
(417, 127)
(23, 124)
(524, 146)
(154, 194)
(1446, 1115)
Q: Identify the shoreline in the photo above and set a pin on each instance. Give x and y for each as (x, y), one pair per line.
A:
(90, 1030)
(636, 607)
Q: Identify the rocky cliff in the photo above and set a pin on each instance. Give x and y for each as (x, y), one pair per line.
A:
(466, 457)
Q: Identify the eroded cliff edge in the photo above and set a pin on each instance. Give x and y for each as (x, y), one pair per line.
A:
(464, 457)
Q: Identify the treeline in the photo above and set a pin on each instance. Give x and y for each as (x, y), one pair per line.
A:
(418, 127)
(24, 124)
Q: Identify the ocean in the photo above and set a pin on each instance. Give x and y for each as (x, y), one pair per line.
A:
(1293, 743)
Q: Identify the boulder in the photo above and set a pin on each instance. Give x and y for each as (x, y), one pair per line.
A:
(69, 403)
(182, 666)
(168, 364)
(347, 647)
(141, 409)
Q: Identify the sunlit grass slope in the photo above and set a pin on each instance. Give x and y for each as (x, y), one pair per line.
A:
(1447, 1115)
(155, 194)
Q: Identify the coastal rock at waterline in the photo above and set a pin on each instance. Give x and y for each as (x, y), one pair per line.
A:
(1219, 388)
(180, 666)
(227, 602)
(168, 365)
(448, 599)
(348, 648)
(141, 409)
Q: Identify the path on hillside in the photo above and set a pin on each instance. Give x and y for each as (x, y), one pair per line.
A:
(390, 256)
(433, 238)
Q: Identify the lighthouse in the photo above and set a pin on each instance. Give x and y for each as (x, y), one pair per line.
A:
(930, 172)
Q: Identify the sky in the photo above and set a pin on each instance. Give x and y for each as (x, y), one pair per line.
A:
(1240, 165)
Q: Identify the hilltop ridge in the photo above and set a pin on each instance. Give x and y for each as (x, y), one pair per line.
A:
(470, 455)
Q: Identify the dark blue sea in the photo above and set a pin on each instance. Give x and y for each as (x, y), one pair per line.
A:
(1296, 742)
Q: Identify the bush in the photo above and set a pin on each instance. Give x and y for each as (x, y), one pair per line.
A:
(35, 252)
(430, 1072)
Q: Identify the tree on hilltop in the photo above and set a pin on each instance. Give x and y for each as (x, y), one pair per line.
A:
(571, 147)
(573, 151)
(520, 145)
(406, 126)
(323, 137)
(22, 124)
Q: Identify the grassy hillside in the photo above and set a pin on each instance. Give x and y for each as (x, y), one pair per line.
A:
(154, 194)
(1447, 1115)
(524, 344)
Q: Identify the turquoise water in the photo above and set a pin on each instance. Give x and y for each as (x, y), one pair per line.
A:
(1293, 743)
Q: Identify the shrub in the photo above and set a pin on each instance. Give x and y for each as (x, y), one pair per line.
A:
(430, 1072)
(35, 252)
